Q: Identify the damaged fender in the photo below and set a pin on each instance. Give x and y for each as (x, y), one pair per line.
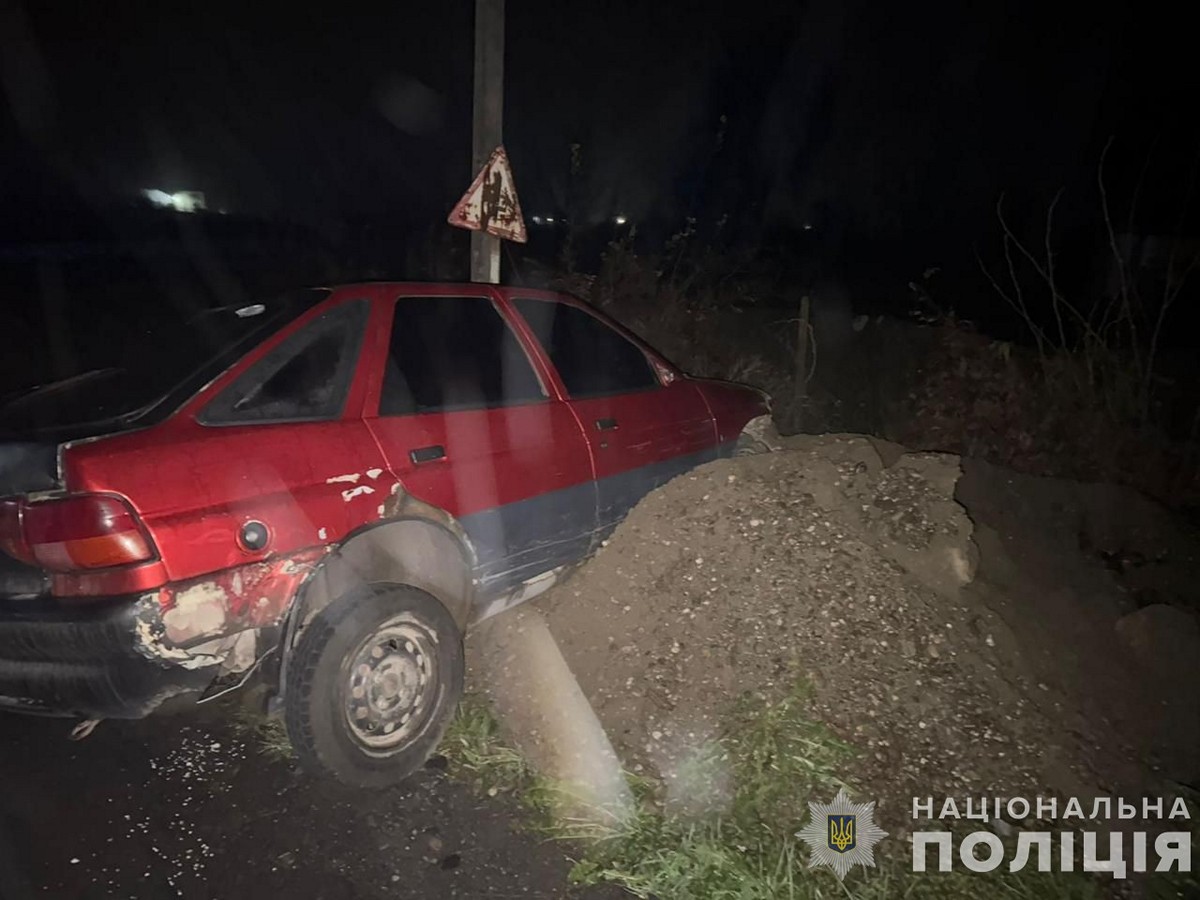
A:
(202, 622)
(411, 543)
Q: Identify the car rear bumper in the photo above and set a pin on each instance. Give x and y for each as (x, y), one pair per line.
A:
(97, 660)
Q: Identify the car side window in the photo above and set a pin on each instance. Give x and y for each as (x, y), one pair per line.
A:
(591, 358)
(305, 378)
(454, 353)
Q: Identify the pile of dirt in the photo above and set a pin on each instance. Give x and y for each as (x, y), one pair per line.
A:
(843, 562)
(1097, 591)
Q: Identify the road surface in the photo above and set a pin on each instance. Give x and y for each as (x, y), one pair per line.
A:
(188, 806)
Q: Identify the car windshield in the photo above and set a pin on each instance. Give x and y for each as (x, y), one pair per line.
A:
(131, 368)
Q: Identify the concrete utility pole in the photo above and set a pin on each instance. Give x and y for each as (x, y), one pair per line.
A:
(488, 122)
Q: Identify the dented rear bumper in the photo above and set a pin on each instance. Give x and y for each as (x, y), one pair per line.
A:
(122, 657)
(95, 661)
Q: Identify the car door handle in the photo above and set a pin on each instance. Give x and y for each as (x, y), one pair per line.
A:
(606, 424)
(427, 454)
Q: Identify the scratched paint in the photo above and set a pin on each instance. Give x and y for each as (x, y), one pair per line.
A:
(344, 479)
(357, 492)
(172, 620)
(374, 473)
(211, 606)
(198, 611)
(153, 643)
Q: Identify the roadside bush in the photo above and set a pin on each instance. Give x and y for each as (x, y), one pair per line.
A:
(992, 400)
(1086, 400)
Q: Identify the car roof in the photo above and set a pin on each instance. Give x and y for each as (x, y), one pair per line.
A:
(442, 287)
(451, 288)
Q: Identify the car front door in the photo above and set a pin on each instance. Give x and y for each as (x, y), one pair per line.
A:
(642, 431)
(467, 425)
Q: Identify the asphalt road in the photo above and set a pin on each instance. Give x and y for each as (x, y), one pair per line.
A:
(187, 806)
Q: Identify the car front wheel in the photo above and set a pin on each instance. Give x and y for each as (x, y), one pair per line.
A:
(748, 445)
(372, 685)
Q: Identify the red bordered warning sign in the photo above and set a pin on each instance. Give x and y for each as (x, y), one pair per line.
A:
(490, 203)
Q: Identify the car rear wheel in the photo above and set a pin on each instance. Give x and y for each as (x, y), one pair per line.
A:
(372, 685)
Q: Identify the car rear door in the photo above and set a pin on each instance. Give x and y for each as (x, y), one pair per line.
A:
(643, 428)
(467, 423)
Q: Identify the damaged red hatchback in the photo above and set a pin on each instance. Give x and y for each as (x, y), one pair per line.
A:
(326, 491)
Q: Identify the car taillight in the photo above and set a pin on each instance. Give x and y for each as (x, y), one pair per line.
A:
(83, 531)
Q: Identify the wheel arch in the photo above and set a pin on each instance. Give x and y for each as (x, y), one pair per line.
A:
(415, 544)
(761, 430)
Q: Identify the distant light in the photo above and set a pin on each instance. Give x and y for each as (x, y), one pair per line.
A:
(254, 309)
(180, 201)
(808, 226)
(620, 220)
(537, 220)
(188, 201)
(550, 220)
(158, 198)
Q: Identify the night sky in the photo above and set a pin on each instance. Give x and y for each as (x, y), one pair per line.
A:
(897, 120)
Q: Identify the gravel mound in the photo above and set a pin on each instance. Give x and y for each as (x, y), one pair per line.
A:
(824, 564)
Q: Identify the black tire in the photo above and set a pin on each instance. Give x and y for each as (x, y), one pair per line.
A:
(337, 715)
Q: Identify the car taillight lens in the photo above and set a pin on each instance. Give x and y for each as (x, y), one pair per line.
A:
(84, 531)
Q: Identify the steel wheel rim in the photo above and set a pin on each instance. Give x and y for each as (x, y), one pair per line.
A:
(389, 684)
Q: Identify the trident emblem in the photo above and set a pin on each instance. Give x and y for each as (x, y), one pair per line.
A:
(841, 833)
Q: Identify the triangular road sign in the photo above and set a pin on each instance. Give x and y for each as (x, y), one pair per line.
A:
(490, 203)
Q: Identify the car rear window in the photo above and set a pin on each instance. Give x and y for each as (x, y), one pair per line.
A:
(136, 369)
(305, 378)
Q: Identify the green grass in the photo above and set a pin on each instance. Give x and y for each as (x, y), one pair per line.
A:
(477, 753)
(776, 759)
(266, 734)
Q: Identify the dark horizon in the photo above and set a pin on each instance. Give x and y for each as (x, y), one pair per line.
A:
(772, 111)
(838, 141)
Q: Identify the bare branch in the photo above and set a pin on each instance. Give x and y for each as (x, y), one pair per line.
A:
(1038, 334)
(994, 283)
(1119, 257)
(1054, 295)
(1041, 271)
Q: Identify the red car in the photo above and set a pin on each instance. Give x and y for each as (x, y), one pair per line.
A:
(326, 491)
